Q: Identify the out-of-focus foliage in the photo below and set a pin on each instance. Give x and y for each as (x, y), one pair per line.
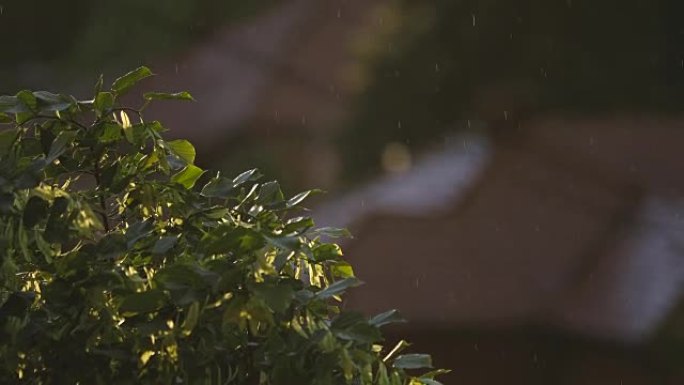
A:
(124, 263)
(76, 36)
(453, 61)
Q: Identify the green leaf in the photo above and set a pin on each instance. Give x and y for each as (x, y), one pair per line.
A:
(28, 99)
(353, 326)
(191, 318)
(434, 373)
(413, 361)
(180, 277)
(7, 138)
(125, 82)
(284, 243)
(220, 187)
(326, 252)
(299, 225)
(144, 302)
(47, 101)
(332, 232)
(103, 102)
(183, 149)
(137, 231)
(111, 132)
(249, 175)
(188, 176)
(276, 296)
(382, 378)
(270, 194)
(60, 144)
(338, 287)
(387, 317)
(342, 270)
(164, 244)
(168, 96)
(4, 118)
(297, 199)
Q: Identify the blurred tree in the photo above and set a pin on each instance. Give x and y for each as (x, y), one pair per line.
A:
(494, 60)
(76, 37)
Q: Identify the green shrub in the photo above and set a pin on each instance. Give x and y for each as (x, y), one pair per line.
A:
(124, 263)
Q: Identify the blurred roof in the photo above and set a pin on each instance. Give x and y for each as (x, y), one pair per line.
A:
(578, 229)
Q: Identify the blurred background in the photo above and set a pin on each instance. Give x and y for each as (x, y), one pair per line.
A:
(511, 170)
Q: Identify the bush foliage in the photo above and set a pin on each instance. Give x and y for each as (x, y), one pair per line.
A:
(123, 262)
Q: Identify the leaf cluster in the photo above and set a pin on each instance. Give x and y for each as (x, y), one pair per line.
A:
(123, 262)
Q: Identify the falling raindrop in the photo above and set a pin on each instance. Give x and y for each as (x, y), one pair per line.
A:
(339, 13)
(474, 19)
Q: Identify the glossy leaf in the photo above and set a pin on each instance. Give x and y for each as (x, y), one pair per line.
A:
(168, 96)
(103, 102)
(338, 287)
(188, 176)
(63, 140)
(49, 102)
(388, 317)
(183, 149)
(413, 361)
(125, 82)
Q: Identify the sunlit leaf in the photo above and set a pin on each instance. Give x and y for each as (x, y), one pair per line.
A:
(191, 318)
(188, 176)
(168, 96)
(297, 199)
(124, 83)
(110, 133)
(103, 102)
(183, 149)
